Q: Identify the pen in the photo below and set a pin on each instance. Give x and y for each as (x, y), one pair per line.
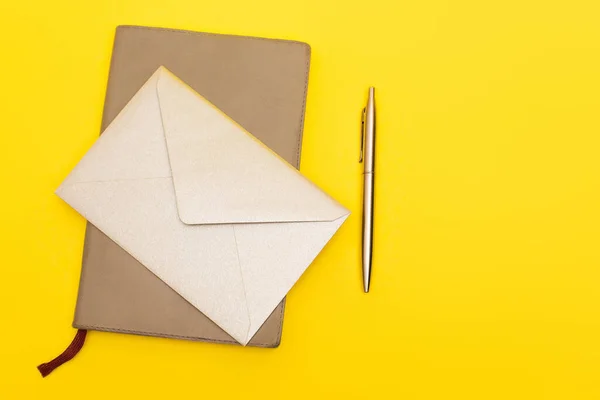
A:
(367, 157)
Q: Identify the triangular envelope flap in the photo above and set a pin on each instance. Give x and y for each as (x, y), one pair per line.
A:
(222, 174)
(138, 126)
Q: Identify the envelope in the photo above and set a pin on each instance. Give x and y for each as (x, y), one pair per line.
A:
(204, 205)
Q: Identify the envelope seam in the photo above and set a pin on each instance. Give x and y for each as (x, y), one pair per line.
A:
(122, 180)
(237, 253)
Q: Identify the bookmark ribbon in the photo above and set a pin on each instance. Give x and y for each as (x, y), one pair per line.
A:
(70, 352)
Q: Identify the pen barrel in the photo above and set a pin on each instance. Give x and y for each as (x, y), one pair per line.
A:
(367, 227)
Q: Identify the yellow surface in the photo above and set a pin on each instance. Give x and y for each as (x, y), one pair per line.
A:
(487, 256)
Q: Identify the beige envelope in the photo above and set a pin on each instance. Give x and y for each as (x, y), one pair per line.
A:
(205, 206)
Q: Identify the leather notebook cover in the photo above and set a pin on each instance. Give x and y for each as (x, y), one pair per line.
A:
(259, 83)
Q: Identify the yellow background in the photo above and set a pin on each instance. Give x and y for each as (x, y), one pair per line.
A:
(487, 253)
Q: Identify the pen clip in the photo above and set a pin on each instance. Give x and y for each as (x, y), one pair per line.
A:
(362, 135)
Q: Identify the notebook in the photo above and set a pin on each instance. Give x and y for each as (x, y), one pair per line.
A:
(261, 84)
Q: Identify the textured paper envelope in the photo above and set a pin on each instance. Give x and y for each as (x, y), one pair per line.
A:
(204, 205)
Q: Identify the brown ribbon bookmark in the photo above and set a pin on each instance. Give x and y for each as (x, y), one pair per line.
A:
(70, 352)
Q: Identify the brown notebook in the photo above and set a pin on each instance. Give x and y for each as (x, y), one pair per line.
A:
(261, 84)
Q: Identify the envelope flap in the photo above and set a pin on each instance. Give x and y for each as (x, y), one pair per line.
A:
(222, 174)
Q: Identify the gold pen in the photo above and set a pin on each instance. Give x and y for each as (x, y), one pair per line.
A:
(367, 157)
